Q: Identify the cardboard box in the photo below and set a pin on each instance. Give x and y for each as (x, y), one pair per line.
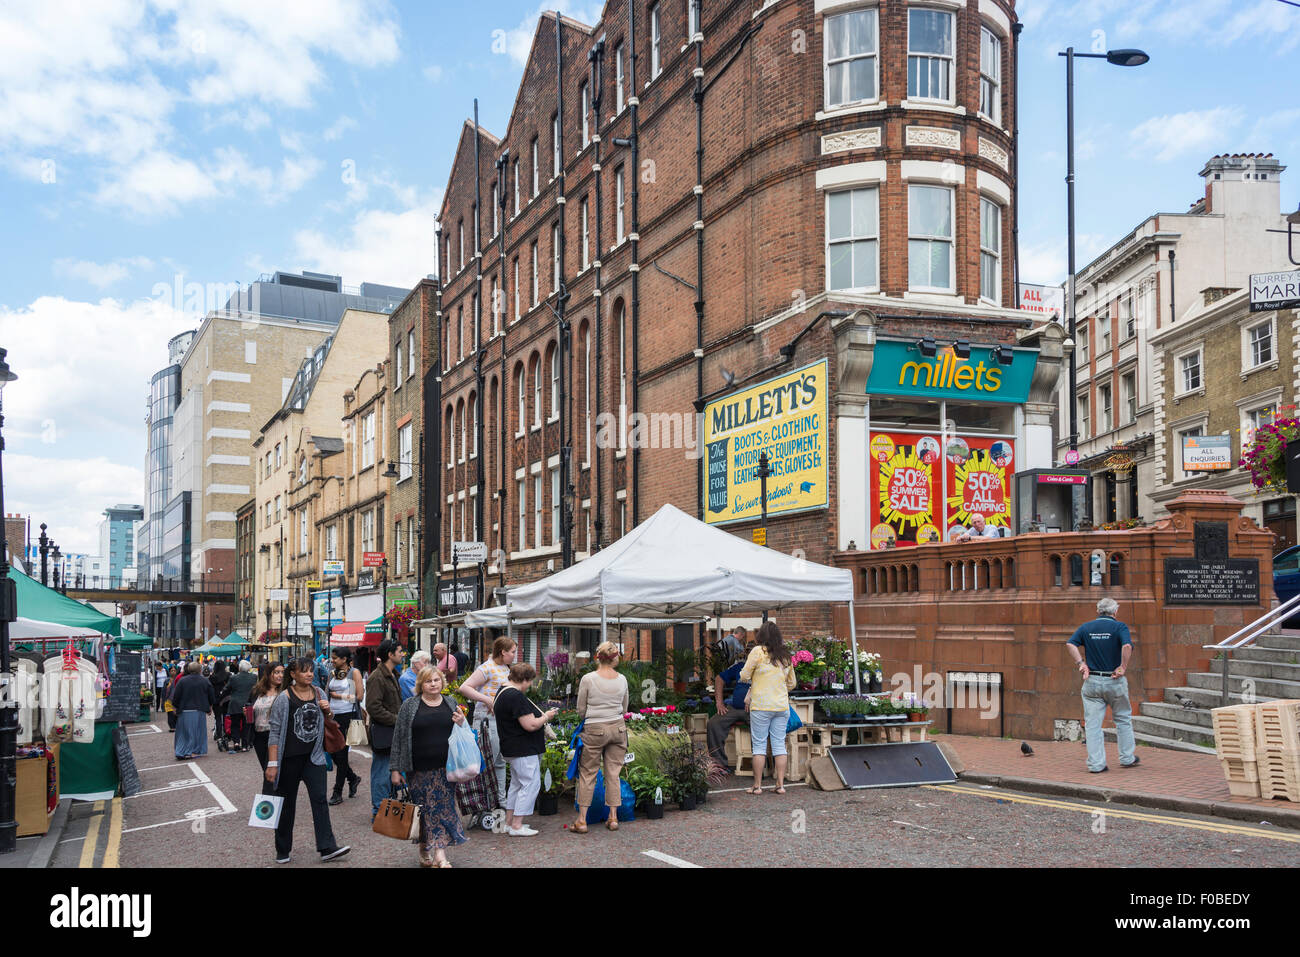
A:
(30, 797)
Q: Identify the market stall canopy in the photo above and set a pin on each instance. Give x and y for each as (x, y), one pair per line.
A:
(235, 638)
(674, 565)
(131, 639)
(354, 634)
(375, 627)
(39, 603)
(496, 617)
(27, 629)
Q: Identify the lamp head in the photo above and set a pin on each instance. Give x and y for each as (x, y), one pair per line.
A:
(1293, 219)
(5, 374)
(927, 347)
(391, 471)
(1126, 57)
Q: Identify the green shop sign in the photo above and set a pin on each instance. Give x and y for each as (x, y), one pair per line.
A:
(899, 369)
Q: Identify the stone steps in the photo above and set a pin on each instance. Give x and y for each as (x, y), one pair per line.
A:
(1262, 688)
(1192, 717)
(1160, 740)
(1278, 670)
(1276, 655)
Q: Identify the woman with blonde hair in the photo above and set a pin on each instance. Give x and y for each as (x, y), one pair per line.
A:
(771, 676)
(602, 702)
(424, 724)
(482, 687)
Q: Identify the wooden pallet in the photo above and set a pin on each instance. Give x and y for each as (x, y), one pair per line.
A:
(1238, 770)
(1277, 725)
(796, 767)
(803, 707)
(1279, 774)
(1234, 731)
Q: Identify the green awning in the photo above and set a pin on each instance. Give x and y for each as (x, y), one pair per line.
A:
(45, 604)
(377, 627)
(130, 639)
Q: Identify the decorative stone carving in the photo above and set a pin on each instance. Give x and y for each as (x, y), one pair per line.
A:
(863, 139)
(991, 151)
(933, 136)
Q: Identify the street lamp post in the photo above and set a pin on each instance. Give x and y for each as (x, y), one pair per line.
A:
(8, 706)
(1118, 58)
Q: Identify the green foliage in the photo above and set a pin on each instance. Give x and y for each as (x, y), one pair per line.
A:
(644, 781)
(555, 759)
(683, 663)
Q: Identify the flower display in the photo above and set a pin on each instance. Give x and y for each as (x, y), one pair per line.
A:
(1265, 458)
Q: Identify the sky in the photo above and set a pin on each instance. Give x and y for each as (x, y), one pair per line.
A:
(151, 148)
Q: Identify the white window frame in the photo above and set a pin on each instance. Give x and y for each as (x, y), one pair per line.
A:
(656, 37)
(410, 353)
(516, 172)
(925, 55)
(1129, 396)
(557, 161)
(302, 532)
(618, 205)
(622, 376)
(951, 239)
(279, 459)
(404, 460)
(460, 228)
(827, 101)
(991, 81)
(1103, 331)
(517, 312)
(397, 548)
(991, 253)
(555, 386)
(460, 427)
(1083, 333)
(1105, 408)
(1248, 360)
(586, 236)
(1180, 380)
(368, 530)
(851, 240)
(1128, 314)
(496, 209)
(522, 534)
(536, 282)
(555, 506)
(1084, 414)
(555, 257)
(473, 425)
(496, 307)
(368, 441)
(537, 392)
(586, 114)
(332, 542)
(537, 510)
(537, 172)
(692, 20)
(1181, 431)
(586, 458)
(412, 556)
(618, 78)
(451, 437)
(397, 367)
(523, 400)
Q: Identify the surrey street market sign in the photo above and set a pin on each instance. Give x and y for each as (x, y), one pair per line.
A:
(1274, 290)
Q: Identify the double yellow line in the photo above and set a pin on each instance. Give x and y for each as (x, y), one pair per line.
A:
(1112, 811)
(113, 843)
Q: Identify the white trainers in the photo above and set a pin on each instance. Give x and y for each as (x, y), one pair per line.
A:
(524, 831)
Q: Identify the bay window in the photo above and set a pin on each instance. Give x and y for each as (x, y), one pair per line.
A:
(851, 58)
(930, 48)
(853, 238)
(930, 238)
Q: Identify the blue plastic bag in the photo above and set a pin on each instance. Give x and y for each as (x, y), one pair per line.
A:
(792, 723)
(464, 759)
(598, 811)
(575, 744)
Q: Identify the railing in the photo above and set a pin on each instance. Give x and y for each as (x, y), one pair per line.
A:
(184, 586)
(1246, 636)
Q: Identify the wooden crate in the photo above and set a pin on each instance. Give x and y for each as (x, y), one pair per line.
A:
(697, 723)
(1244, 788)
(796, 767)
(1234, 731)
(1277, 725)
(1235, 769)
(803, 707)
(1279, 774)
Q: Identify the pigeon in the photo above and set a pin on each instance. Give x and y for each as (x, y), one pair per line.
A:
(1025, 749)
(1185, 702)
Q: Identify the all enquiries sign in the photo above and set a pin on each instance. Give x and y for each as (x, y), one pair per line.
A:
(1207, 453)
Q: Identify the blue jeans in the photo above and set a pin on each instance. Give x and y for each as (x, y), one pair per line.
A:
(1097, 694)
(381, 785)
(765, 726)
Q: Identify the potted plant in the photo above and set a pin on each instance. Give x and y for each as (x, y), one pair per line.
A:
(651, 787)
(554, 782)
(915, 710)
(807, 669)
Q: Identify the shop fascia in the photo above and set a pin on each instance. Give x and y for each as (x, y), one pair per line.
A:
(940, 415)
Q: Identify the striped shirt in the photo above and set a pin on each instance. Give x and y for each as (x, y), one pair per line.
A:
(496, 677)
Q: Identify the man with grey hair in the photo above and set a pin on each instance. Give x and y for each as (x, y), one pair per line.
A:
(1101, 648)
(406, 683)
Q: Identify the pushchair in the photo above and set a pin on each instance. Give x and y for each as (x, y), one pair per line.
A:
(477, 797)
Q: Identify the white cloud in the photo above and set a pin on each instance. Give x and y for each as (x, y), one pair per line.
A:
(1165, 138)
(338, 128)
(101, 275)
(69, 496)
(381, 246)
(519, 40)
(432, 73)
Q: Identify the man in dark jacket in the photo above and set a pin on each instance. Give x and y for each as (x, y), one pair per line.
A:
(239, 687)
(383, 700)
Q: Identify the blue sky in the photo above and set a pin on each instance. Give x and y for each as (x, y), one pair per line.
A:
(146, 143)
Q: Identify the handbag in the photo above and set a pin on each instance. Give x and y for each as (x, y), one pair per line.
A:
(575, 745)
(793, 723)
(266, 811)
(334, 742)
(356, 735)
(397, 818)
(248, 714)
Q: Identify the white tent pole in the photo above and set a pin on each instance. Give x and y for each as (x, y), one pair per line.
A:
(853, 635)
(604, 624)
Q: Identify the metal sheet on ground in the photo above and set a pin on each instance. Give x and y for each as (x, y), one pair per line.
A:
(891, 765)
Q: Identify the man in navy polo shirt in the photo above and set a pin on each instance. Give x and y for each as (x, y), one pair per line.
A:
(729, 698)
(1101, 648)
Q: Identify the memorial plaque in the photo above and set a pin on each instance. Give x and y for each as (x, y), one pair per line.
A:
(1211, 540)
(1192, 581)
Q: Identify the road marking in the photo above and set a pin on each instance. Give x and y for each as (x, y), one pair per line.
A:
(669, 859)
(174, 786)
(766, 790)
(153, 729)
(910, 824)
(92, 837)
(1112, 811)
(114, 835)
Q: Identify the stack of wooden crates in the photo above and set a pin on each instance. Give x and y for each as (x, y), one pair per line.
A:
(1259, 748)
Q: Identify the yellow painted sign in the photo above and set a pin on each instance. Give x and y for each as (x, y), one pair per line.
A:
(313, 584)
(786, 418)
(760, 536)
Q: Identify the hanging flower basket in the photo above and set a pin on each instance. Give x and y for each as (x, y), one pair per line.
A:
(399, 619)
(1265, 457)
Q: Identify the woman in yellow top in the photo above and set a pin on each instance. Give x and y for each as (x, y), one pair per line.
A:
(771, 676)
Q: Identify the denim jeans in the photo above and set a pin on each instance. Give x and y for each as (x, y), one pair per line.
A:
(381, 786)
(765, 726)
(1097, 694)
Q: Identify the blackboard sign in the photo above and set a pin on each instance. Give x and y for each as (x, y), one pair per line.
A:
(126, 769)
(123, 701)
(1191, 581)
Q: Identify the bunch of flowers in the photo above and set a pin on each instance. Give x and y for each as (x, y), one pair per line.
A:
(1265, 458)
(656, 719)
(808, 668)
(558, 661)
(400, 619)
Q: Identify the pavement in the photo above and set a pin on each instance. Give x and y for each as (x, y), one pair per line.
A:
(1165, 780)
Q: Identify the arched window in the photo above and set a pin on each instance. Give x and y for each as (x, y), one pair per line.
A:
(521, 389)
(537, 390)
(460, 331)
(473, 425)
(555, 383)
(622, 376)
(451, 437)
(586, 375)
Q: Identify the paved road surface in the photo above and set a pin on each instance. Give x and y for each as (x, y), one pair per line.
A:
(196, 813)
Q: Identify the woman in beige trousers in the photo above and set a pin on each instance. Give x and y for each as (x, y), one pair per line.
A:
(602, 702)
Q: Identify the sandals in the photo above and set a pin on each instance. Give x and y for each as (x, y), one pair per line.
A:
(444, 863)
(578, 827)
(780, 790)
(427, 861)
(753, 790)
(611, 824)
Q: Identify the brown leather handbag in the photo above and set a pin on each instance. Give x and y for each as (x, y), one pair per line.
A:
(334, 742)
(397, 818)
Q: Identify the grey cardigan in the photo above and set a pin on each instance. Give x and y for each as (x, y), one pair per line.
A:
(280, 729)
(400, 758)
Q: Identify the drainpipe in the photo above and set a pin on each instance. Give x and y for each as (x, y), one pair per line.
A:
(562, 331)
(480, 477)
(698, 40)
(635, 266)
(596, 57)
(1015, 161)
(502, 164)
(1173, 315)
(433, 420)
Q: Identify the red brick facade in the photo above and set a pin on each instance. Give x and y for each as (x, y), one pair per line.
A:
(767, 167)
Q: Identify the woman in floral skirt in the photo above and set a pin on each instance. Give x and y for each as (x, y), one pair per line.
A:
(424, 724)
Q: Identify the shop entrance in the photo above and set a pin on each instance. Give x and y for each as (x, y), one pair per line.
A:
(1280, 519)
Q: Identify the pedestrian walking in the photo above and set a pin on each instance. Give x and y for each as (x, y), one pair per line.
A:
(771, 676)
(296, 755)
(193, 699)
(424, 724)
(239, 688)
(1103, 661)
(481, 687)
(602, 703)
(519, 725)
(173, 675)
(159, 687)
(406, 681)
(462, 659)
(345, 693)
(269, 685)
(383, 700)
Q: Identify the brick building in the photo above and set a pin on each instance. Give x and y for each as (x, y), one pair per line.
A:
(691, 211)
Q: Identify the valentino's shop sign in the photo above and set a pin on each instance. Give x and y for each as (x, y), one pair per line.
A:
(899, 369)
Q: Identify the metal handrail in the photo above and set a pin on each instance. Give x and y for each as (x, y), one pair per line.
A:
(1247, 634)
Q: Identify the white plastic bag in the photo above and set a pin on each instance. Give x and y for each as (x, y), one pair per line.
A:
(463, 757)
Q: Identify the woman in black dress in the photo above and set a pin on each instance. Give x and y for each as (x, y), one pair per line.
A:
(424, 725)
